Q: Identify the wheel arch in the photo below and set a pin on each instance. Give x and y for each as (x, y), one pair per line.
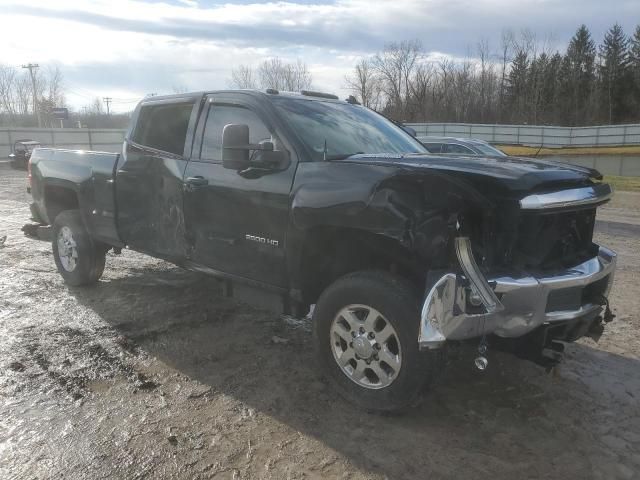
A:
(58, 197)
(330, 252)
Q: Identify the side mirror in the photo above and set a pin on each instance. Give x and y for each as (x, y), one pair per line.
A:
(235, 146)
(236, 150)
(409, 130)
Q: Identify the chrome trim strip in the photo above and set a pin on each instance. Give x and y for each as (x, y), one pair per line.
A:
(478, 281)
(437, 310)
(575, 197)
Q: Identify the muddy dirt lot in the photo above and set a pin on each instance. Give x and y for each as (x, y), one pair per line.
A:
(153, 374)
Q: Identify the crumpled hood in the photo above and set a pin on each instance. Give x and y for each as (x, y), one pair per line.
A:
(514, 173)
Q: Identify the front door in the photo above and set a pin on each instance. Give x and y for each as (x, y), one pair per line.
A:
(236, 223)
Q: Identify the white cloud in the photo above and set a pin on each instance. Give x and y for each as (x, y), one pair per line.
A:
(134, 47)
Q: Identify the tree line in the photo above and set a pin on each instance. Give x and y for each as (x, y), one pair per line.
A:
(19, 107)
(17, 95)
(524, 82)
(273, 73)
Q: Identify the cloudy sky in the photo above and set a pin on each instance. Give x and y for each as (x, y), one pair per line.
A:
(127, 48)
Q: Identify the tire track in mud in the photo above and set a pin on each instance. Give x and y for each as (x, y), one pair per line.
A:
(68, 359)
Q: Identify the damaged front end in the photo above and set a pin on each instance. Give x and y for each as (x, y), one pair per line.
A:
(526, 310)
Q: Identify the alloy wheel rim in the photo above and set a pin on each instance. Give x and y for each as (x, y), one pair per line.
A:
(67, 249)
(365, 346)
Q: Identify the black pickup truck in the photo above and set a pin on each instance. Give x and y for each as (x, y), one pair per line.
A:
(305, 202)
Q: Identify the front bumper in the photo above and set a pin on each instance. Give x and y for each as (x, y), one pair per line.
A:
(512, 305)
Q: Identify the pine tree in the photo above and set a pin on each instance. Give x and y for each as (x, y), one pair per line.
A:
(634, 67)
(551, 89)
(579, 85)
(615, 75)
(537, 77)
(517, 86)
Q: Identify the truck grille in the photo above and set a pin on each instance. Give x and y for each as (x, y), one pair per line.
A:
(554, 240)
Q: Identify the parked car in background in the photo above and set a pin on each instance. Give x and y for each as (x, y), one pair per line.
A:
(460, 146)
(22, 149)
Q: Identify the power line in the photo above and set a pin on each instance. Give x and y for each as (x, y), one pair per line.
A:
(107, 100)
(80, 94)
(36, 110)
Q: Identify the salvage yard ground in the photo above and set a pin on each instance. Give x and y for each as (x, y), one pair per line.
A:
(153, 374)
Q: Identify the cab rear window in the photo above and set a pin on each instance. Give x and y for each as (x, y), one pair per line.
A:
(163, 126)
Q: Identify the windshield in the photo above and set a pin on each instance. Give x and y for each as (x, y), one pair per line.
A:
(489, 150)
(345, 129)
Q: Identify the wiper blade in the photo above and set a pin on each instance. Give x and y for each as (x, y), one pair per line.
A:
(341, 156)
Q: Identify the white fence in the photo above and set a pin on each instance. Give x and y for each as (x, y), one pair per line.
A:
(535, 135)
(110, 140)
(103, 139)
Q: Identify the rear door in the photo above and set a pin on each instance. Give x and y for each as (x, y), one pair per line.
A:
(236, 223)
(149, 188)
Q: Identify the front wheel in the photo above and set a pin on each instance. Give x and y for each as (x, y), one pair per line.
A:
(365, 330)
(79, 259)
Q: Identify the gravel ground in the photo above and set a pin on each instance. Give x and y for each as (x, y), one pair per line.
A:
(152, 373)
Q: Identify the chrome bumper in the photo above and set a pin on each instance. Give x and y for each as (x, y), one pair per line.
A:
(513, 306)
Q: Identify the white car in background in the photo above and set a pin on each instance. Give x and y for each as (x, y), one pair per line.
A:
(460, 146)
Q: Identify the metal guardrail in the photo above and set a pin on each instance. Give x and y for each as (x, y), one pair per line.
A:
(104, 139)
(536, 135)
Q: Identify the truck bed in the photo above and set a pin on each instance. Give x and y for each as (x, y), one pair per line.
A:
(68, 179)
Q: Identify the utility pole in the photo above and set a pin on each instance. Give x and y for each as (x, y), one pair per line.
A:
(36, 110)
(107, 100)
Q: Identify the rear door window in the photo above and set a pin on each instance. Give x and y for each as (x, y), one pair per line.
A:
(163, 126)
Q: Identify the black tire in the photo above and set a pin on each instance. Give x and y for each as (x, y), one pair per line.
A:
(90, 256)
(396, 301)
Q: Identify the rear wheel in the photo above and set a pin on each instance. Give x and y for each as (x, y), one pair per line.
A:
(365, 329)
(80, 260)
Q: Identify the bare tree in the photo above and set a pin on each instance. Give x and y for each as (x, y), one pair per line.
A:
(273, 73)
(297, 76)
(421, 87)
(395, 67)
(486, 78)
(243, 76)
(179, 88)
(506, 49)
(364, 84)
(96, 107)
(8, 82)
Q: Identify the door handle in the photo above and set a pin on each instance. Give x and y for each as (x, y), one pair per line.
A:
(197, 181)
